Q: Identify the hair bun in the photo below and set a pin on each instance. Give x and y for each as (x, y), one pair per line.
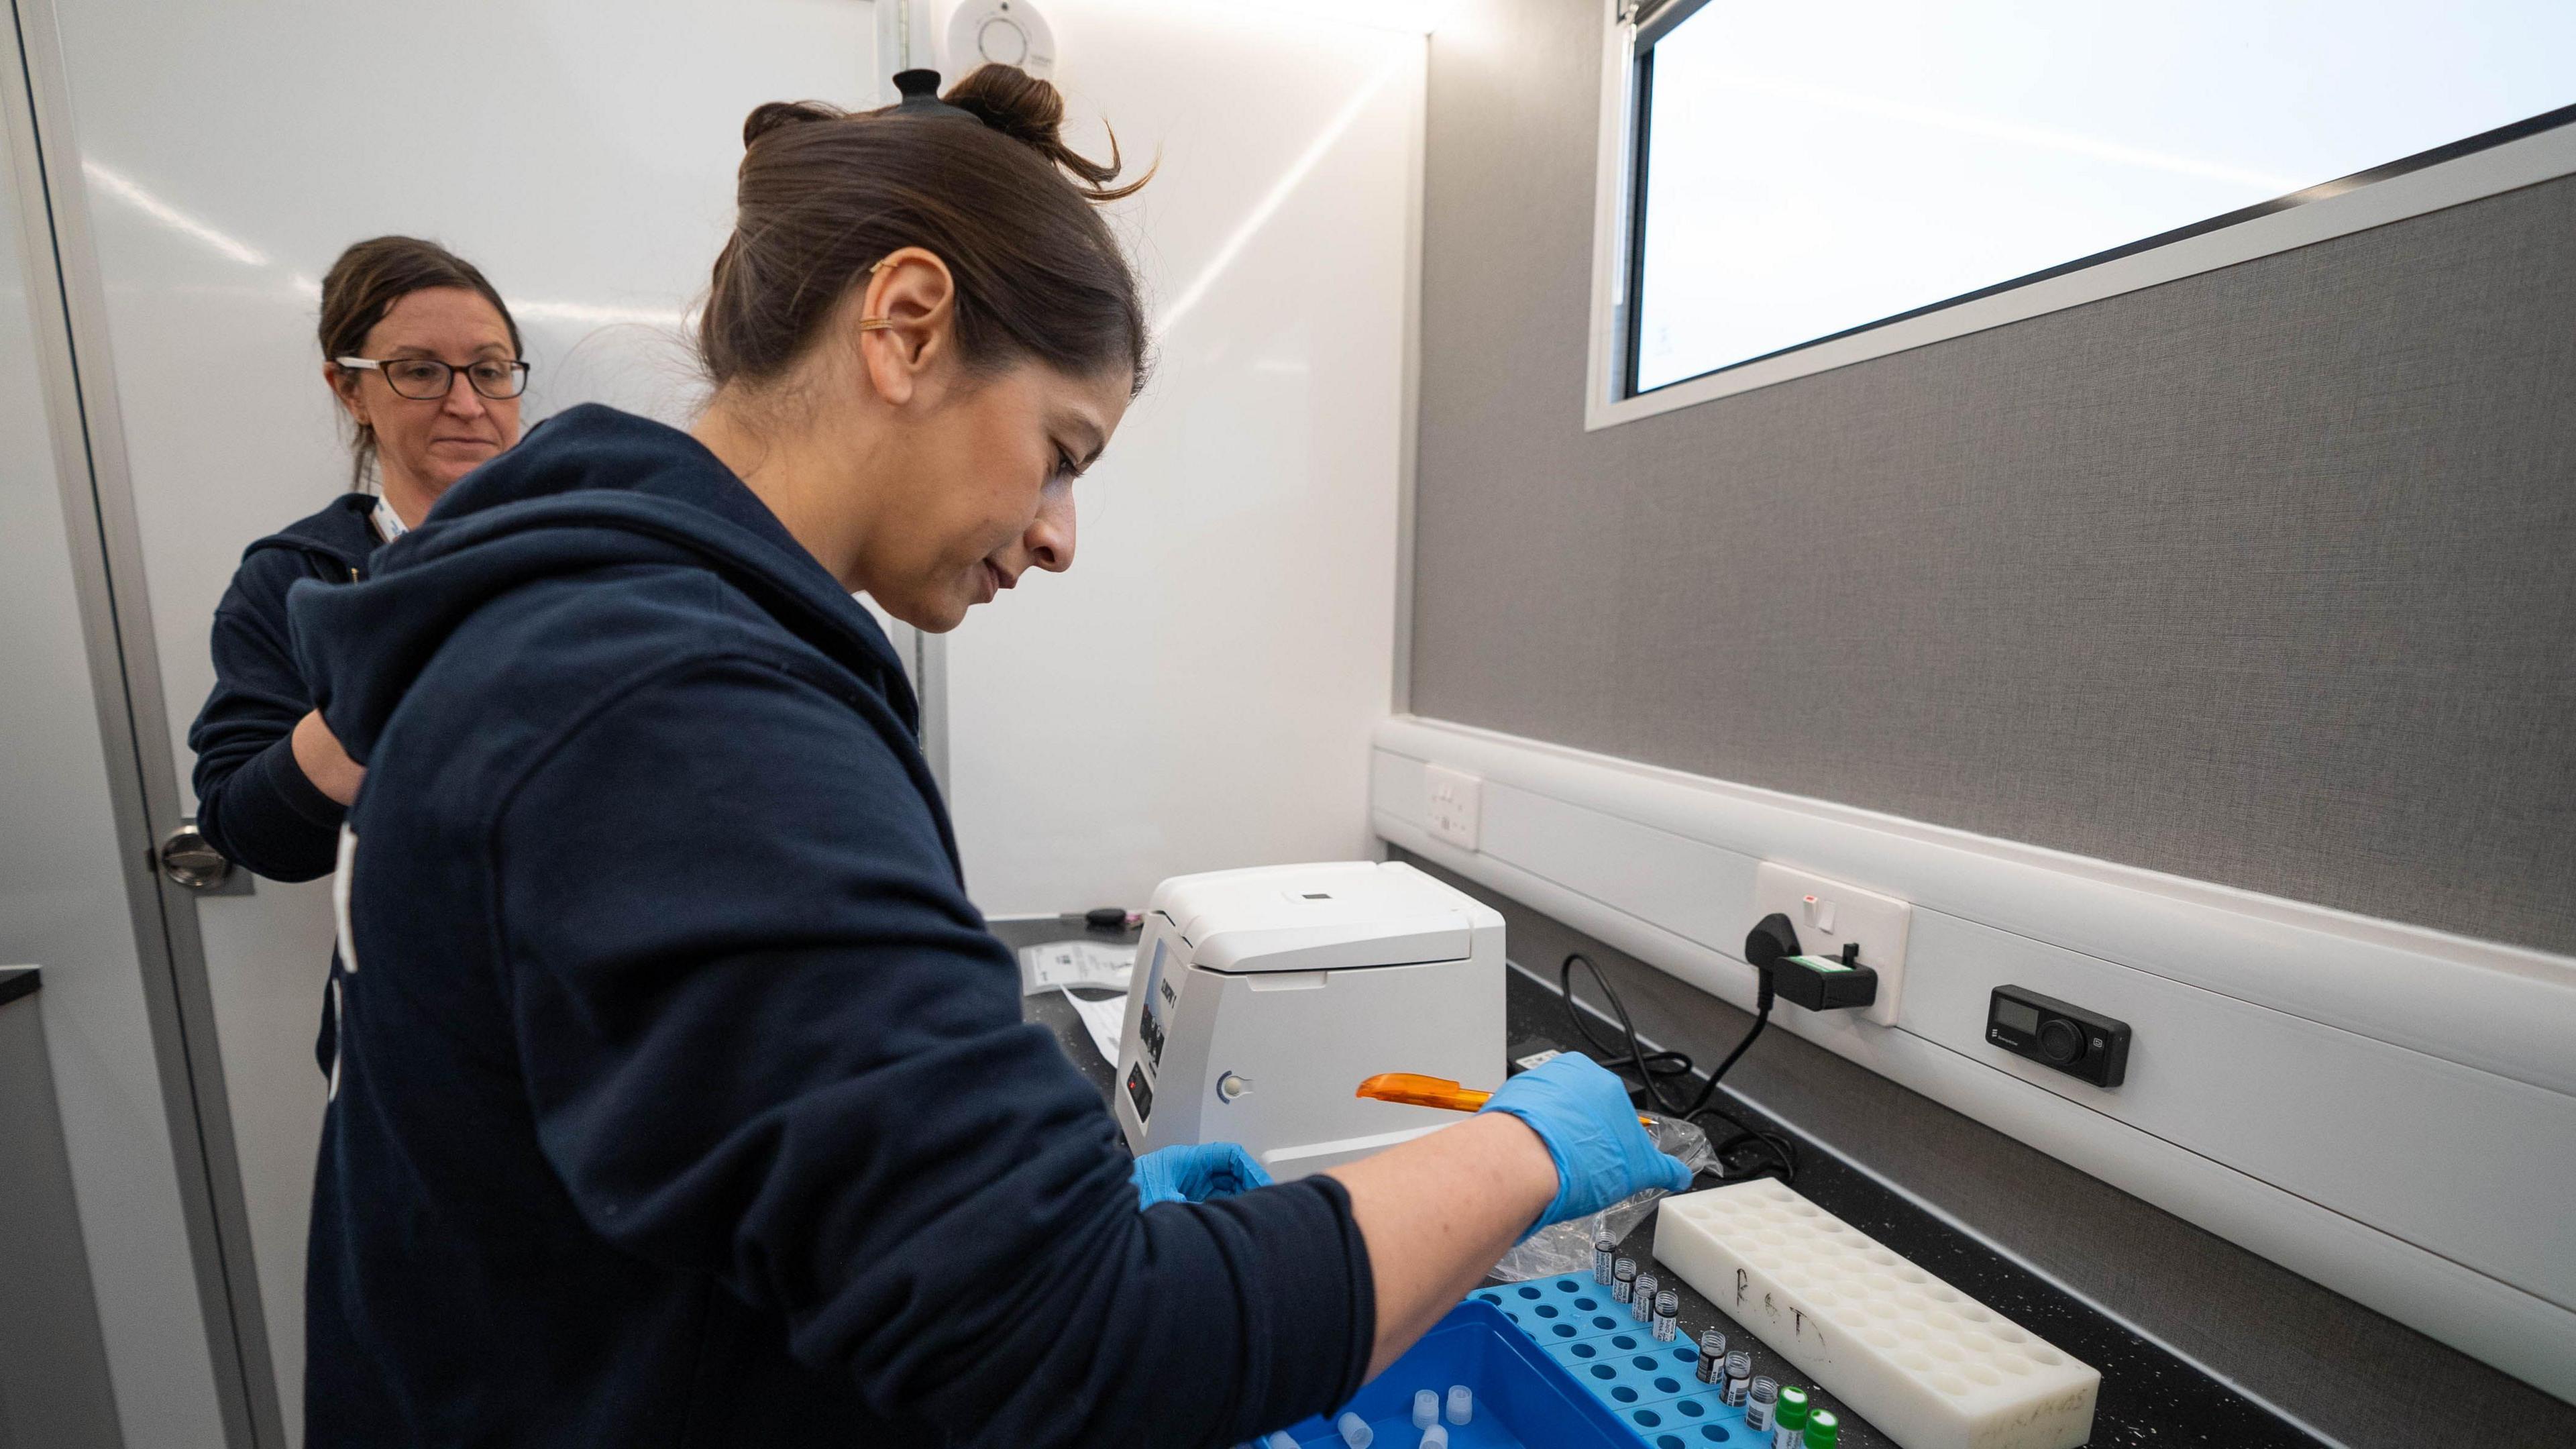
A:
(771, 115)
(1017, 104)
(1013, 102)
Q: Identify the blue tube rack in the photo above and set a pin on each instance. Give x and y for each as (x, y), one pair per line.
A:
(1525, 1397)
(1653, 1387)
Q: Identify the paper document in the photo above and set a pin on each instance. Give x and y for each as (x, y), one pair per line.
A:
(1104, 964)
(1104, 1019)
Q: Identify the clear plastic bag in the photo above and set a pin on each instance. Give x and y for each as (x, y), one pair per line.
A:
(1566, 1247)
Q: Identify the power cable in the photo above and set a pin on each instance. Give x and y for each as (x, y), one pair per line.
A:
(1653, 1067)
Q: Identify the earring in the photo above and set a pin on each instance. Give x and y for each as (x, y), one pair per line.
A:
(878, 324)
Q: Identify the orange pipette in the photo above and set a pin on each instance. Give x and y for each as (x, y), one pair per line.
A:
(1416, 1090)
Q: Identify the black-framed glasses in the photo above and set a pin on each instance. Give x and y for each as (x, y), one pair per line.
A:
(426, 379)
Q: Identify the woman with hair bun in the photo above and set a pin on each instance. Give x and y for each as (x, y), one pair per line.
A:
(422, 356)
(683, 1097)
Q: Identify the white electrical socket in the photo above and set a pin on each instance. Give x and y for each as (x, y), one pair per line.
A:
(1829, 914)
(1454, 803)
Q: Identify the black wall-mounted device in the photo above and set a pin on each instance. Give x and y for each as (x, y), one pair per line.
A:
(2080, 1043)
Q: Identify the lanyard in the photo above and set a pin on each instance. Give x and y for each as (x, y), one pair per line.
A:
(389, 524)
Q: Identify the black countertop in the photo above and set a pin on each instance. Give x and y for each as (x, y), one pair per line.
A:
(2148, 1397)
(1049, 1009)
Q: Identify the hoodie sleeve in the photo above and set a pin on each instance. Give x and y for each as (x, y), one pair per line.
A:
(767, 1038)
(253, 801)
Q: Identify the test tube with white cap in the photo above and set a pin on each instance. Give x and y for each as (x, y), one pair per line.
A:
(1604, 1251)
(1355, 1430)
(1462, 1404)
(1667, 1306)
(1623, 1280)
(1641, 1301)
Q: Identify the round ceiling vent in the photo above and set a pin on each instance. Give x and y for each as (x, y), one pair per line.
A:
(1002, 32)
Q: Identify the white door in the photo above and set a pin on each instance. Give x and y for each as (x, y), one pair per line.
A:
(581, 155)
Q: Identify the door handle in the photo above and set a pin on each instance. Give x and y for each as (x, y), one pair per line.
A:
(189, 859)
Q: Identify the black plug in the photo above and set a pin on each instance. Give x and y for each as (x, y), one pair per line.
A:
(1810, 981)
(1772, 938)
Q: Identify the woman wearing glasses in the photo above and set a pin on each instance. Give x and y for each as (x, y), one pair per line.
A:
(423, 355)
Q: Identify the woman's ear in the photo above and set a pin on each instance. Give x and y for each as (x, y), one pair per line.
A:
(343, 382)
(905, 322)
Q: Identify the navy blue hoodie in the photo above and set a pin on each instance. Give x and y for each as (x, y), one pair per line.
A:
(683, 1098)
(253, 801)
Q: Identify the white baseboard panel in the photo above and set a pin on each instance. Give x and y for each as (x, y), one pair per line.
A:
(2387, 1110)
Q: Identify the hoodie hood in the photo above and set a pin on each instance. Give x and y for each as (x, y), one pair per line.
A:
(343, 532)
(594, 489)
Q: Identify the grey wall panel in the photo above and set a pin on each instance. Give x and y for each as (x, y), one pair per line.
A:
(2262, 576)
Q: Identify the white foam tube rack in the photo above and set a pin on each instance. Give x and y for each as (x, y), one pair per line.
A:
(1928, 1365)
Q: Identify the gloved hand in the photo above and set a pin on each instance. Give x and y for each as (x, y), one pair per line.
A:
(1581, 1111)
(1195, 1172)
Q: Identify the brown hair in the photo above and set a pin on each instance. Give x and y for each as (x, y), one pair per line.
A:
(825, 194)
(365, 283)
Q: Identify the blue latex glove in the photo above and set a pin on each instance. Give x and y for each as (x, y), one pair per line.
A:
(1195, 1172)
(1582, 1113)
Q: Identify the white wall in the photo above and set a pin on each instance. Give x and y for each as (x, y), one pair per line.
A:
(1197, 692)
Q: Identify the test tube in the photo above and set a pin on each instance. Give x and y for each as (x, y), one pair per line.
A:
(1739, 1378)
(1355, 1430)
(1435, 1437)
(1789, 1420)
(1759, 1402)
(1462, 1404)
(1823, 1428)
(1602, 1251)
(1667, 1306)
(1426, 1408)
(1641, 1299)
(1623, 1279)
(1712, 1357)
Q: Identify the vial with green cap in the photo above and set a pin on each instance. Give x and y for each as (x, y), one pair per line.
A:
(1789, 1419)
(1823, 1428)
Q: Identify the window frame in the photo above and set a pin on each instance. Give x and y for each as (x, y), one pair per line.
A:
(2525, 153)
